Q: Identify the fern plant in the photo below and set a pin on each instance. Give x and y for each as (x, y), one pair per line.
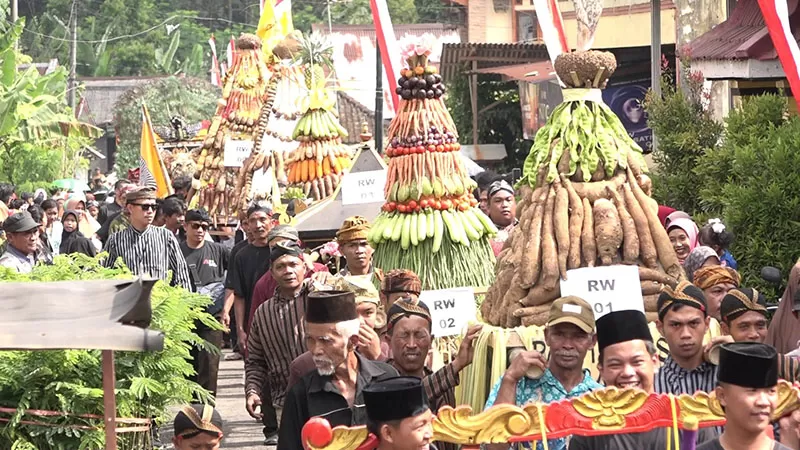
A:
(70, 381)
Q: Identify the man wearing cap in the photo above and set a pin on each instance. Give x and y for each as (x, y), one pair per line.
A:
(197, 427)
(23, 240)
(399, 283)
(408, 423)
(744, 319)
(569, 335)
(409, 335)
(683, 322)
(265, 286)
(372, 318)
(748, 376)
(207, 262)
(715, 281)
(277, 335)
(627, 359)
(353, 245)
(147, 250)
(503, 212)
(249, 265)
(335, 390)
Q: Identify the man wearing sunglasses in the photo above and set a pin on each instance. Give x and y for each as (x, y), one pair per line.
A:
(147, 250)
(207, 263)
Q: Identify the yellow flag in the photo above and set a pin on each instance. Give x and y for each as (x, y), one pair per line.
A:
(268, 23)
(152, 171)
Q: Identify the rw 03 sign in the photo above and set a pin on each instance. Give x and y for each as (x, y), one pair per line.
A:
(607, 289)
(451, 310)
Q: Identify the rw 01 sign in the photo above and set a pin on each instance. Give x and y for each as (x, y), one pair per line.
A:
(607, 289)
(363, 187)
(451, 310)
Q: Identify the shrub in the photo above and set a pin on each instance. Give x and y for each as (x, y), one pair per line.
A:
(71, 380)
(684, 131)
(752, 180)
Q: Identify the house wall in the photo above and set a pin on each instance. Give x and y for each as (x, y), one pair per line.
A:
(486, 25)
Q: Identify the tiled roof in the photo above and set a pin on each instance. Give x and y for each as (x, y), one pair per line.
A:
(354, 56)
(455, 56)
(351, 115)
(101, 94)
(742, 36)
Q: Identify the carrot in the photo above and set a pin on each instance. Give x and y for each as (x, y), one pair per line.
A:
(561, 227)
(647, 249)
(630, 239)
(666, 253)
(607, 231)
(588, 244)
(575, 224)
(326, 166)
(532, 244)
(335, 165)
(550, 271)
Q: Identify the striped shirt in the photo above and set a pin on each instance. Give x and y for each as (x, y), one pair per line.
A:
(788, 368)
(674, 379)
(277, 337)
(152, 252)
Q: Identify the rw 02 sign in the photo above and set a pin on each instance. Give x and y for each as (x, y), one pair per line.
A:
(607, 289)
(451, 310)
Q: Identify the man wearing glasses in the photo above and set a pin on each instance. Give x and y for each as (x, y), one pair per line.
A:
(207, 263)
(145, 249)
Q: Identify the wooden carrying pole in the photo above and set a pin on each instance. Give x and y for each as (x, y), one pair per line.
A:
(109, 400)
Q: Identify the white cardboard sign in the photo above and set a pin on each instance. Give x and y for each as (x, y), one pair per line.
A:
(363, 187)
(607, 289)
(235, 152)
(451, 309)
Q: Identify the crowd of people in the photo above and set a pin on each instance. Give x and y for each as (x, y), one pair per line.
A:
(355, 346)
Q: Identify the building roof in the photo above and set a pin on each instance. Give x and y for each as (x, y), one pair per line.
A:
(351, 115)
(742, 36)
(456, 56)
(354, 56)
(101, 94)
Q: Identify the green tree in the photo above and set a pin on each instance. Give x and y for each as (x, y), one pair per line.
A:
(751, 181)
(191, 98)
(684, 130)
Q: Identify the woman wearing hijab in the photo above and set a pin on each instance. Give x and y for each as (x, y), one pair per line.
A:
(700, 257)
(87, 225)
(683, 236)
(784, 330)
(72, 240)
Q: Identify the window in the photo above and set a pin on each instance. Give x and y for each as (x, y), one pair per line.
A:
(527, 26)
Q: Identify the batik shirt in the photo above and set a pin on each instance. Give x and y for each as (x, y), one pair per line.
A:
(546, 389)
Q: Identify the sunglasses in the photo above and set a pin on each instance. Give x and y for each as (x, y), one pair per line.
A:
(197, 226)
(146, 206)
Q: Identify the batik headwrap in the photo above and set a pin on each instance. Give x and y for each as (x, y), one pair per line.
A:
(353, 229)
(684, 294)
(401, 280)
(708, 276)
(406, 307)
(193, 419)
(738, 301)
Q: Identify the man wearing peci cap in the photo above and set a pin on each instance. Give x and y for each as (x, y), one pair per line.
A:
(207, 262)
(627, 359)
(683, 321)
(748, 376)
(147, 250)
(276, 336)
(23, 241)
(335, 390)
(197, 427)
(408, 423)
(569, 335)
(744, 319)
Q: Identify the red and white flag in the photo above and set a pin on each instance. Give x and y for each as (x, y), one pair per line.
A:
(230, 51)
(387, 42)
(216, 75)
(552, 26)
(776, 17)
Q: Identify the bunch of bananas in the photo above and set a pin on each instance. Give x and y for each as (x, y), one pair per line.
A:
(318, 124)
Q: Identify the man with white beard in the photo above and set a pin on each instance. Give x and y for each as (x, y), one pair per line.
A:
(334, 390)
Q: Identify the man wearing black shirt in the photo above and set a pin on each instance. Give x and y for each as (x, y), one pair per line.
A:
(108, 210)
(249, 265)
(207, 263)
(227, 321)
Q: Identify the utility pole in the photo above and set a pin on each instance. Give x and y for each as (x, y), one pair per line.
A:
(378, 134)
(73, 57)
(14, 10)
(330, 26)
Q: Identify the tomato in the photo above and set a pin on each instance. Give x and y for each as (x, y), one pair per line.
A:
(473, 201)
(412, 204)
(447, 147)
(431, 148)
(437, 205)
(463, 206)
(440, 148)
(417, 209)
(424, 203)
(445, 204)
(401, 208)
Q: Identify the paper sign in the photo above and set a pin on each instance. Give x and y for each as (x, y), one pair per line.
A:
(451, 309)
(236, 152)
(607, 289)
(363, 187)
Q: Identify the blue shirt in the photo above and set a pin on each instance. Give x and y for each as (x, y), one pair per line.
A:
(546, 389)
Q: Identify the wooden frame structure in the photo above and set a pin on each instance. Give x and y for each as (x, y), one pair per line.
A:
(602, 412)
